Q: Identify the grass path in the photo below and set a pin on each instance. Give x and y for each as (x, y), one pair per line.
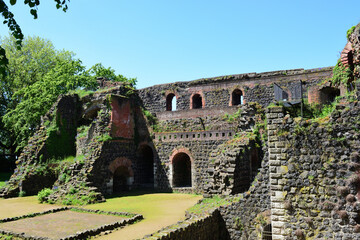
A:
(159, 210)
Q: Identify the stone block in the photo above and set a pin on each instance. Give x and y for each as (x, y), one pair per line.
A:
(275, 162)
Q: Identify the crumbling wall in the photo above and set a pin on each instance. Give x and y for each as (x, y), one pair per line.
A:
(217, 91)
(314, 179)
(209, 227)
(58, 129)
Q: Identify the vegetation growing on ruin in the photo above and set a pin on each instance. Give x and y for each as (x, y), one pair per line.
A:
(208, 204)
(341, 74)
(232, 117)
(61, 141)
(350, 31)
(152, 120)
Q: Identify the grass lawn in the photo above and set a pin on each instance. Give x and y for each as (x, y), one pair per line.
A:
(4, 177)
(159, 210)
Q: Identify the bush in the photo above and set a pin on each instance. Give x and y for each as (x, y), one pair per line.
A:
(44, 194)
(22, 194)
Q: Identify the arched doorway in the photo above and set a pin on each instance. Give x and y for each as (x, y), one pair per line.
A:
(237, 97)
(122, 174)
(181, 170)
(146, 166)
(121, 179)
(197, 101)
(171, 102)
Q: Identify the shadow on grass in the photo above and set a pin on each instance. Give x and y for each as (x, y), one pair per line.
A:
(5, 176)
(134, 193)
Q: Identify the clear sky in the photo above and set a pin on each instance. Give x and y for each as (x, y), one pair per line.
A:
(161, 41)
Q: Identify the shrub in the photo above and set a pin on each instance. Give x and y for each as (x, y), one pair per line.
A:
(22, 194)
(44, 194)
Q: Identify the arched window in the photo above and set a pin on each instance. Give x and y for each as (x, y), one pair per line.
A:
(146, 166)
(237, 97)
(197, 101)
(171, 102)
(181, 170)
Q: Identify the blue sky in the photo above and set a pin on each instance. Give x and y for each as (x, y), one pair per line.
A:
(163, 41)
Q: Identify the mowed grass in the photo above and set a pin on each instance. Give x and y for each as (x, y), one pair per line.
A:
(159, 210)
(3, 178)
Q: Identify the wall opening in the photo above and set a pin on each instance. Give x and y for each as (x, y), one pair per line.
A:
(171, 102)
(267, 233)
(328, 94)
(121, 179)
(197, 101)
(181, 170)
(237, 97)
(255, 162)
(146, 166)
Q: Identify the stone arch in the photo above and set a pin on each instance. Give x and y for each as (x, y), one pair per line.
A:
(171, 101)
(123, 175)
(197, 101)
(181, 168)
(146, 165)
(237, 97)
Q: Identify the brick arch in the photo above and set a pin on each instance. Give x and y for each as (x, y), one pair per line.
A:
(232, 90)
(182, 168)
(121, 162)
(202, 99)
(346, 56)
(181, 150)
(170, 94)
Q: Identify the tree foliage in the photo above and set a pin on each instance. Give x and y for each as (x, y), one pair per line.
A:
(36, 75)
(9, 20)
(98, 70)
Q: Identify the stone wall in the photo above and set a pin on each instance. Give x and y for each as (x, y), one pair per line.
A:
(216, 92)
(314, 175)
(199, 145)
(209, 227)
(28, 177)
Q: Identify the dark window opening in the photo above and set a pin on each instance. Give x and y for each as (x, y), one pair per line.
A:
(181, 170)
(146, 166)
(197, 101)
(171, 102)
(329, 94)
(267, 233)
(237, 97)
(255, 162)
(121, 179)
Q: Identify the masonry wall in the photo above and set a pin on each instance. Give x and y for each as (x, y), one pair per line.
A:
(216, 92)
(314, 175)
(210, 227)
(199, 137)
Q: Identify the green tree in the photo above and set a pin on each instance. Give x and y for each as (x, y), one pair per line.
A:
(98, 70)
(36, 75)
(14, 27)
